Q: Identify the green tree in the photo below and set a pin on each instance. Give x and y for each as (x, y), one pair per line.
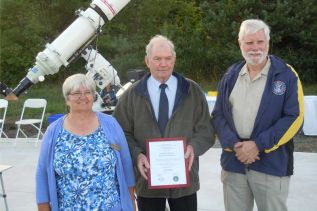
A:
(26, 26)
(204, 32)
(293, 31)
(125, 37)
(21, 37)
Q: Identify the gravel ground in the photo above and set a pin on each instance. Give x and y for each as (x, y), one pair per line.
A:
(305, 143)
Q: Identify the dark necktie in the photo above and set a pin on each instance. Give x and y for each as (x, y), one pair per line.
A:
(163, 109)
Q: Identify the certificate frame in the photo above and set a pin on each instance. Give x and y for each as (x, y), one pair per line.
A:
(177, 177)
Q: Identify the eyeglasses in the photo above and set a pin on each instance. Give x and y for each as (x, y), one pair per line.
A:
(78, 95)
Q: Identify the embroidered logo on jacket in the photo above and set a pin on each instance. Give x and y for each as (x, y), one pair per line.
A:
(279, 87)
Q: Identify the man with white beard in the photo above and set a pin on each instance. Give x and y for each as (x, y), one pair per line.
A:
(259, 109)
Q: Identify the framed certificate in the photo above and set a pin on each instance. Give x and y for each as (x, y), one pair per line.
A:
(168, 167)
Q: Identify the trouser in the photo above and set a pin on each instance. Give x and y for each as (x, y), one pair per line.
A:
(240, 190)
(186, 203)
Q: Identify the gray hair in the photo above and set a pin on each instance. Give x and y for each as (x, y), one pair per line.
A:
(74, 82)
(159, 38)
(251, 26)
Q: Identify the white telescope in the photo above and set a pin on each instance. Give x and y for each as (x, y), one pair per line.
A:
(71, 42)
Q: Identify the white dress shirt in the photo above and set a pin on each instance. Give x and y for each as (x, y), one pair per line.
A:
(153, 87)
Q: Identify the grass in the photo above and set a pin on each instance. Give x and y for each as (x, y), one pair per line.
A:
(51, 92)
(310, 89)
(55, 100)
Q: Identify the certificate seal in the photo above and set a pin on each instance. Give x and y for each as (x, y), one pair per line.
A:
(175, 178)
(160, 178)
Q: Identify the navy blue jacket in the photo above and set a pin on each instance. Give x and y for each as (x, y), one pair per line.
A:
(279, 118)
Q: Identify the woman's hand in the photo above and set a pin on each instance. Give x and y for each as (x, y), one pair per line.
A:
(133, 198)
(43, 207)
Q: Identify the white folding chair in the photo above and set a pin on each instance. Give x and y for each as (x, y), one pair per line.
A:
(3, 106)
(37, 105)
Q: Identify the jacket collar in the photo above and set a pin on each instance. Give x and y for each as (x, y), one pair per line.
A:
(277, 65)
(182, 85)
(181, 92)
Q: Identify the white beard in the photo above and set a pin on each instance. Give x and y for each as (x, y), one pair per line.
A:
(254, 59)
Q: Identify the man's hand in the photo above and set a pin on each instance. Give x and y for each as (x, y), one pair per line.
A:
(247, 152)
(190, 155)
(143, 165)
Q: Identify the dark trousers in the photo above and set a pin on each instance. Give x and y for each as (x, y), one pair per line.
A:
(186, 203)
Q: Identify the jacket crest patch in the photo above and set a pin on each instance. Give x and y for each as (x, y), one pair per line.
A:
(279, 87)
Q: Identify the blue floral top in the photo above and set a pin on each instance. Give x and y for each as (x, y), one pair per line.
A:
(85, 169)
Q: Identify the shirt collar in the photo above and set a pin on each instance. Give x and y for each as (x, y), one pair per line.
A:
(266, 68)
(170, 82)
(155, 83)
(264, 71)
